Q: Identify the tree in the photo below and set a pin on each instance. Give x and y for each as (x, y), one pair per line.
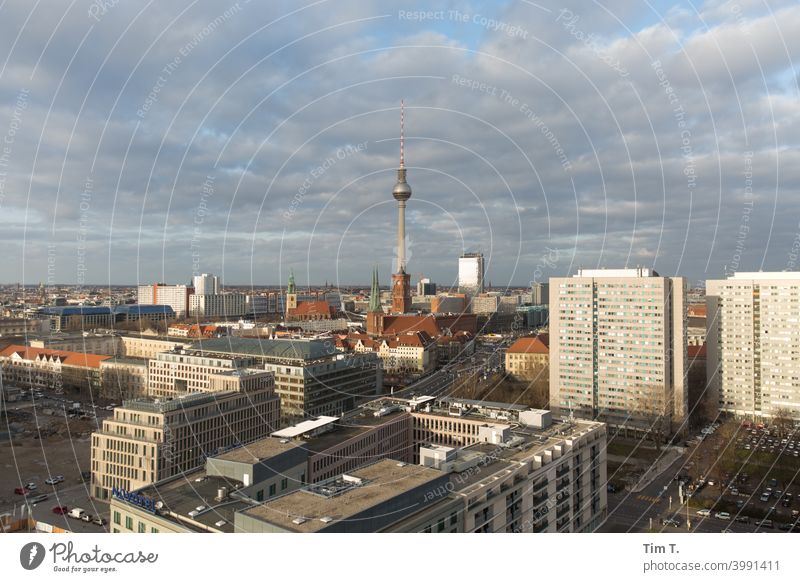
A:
(783, 420)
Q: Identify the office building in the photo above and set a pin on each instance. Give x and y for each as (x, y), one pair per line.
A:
(753, 344)
(425, 287)
(151, 439)
(312, 377)
(470, 274)
(618, 348)
(28, 367)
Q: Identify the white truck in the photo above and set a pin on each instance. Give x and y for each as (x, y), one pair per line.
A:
(76, 513)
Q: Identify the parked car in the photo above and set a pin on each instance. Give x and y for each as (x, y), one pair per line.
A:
(60, 509)
(30, 486)
(765, 496)
(99, 520)
(723, 515)
(742, 519)
(76, 512)
(765, 523)
(55, 480)
(671, 521)
(87, 517)
(20, 491)
(37, 498)
(703, 512)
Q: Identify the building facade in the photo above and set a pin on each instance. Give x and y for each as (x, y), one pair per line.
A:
(470, 274)
(151, 439)
(753, 344)
(618, 348)
(176, 296)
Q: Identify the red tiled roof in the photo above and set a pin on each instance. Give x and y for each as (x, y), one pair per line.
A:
(531, 345)
(319, 307)
(67, 358)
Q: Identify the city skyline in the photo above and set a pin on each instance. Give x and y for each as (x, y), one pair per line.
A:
(226, 147)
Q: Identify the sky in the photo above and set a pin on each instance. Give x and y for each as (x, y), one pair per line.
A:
(145, 141)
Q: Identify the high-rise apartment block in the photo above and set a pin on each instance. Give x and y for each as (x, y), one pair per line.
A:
(618, 348)
(205, 284)
(176, 296)
(753, 344)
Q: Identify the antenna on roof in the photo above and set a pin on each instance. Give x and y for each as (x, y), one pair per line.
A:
(402, 134)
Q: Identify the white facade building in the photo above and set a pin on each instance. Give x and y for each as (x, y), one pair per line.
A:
(206, 284)
(176, 296)
(618, 348)
(753, 343)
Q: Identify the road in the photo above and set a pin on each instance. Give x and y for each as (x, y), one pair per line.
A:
(631, 512)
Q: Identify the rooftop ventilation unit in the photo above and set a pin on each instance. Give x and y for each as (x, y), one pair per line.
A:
(299, 520)
(326, 519)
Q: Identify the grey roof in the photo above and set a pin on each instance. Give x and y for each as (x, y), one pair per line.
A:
(274, 348)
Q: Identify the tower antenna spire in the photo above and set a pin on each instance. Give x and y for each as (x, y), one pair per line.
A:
(402, 134)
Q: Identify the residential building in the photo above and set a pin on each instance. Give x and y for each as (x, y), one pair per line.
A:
(176, 296)
(206, 284)
(540, 293)
(618, 348)
(28, 367)
(228, 305)
(425, 287)
(753, 344)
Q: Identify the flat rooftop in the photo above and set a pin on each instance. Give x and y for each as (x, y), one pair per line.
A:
(305, 426)
(381, 481)
(288, 349)
(259, 450)
(186, 493)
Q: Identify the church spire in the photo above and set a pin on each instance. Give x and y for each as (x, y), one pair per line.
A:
(291, 287)
(375, 293)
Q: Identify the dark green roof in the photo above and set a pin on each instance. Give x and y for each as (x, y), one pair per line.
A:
(273, 348)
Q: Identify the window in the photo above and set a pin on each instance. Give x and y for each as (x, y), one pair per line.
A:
(129, 523)
(260, 495)
(153, 530)
(272, 490)
(117, 517)
(284, 484)
(142, 527)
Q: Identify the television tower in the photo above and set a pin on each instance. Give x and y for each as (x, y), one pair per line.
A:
(401, 281)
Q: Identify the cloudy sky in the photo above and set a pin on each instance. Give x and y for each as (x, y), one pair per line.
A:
(147, 141)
